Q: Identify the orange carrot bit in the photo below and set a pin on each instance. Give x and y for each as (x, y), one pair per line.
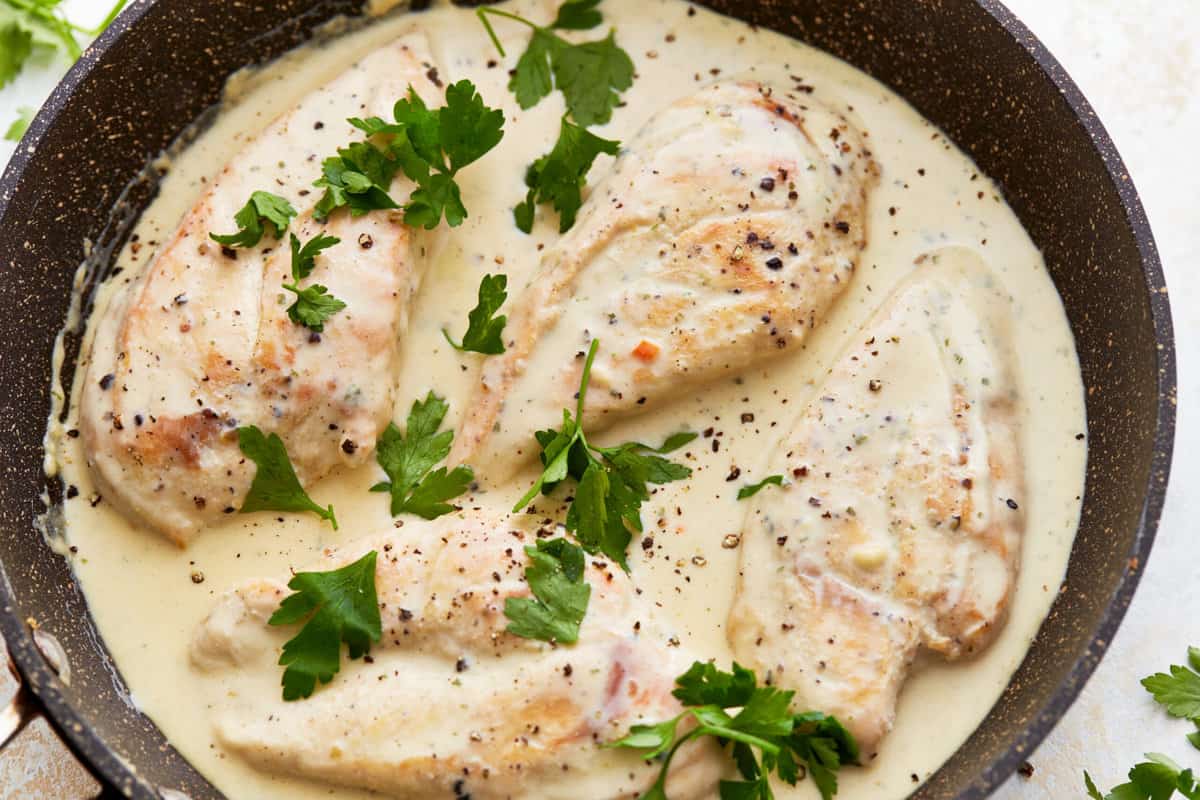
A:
(646, 351)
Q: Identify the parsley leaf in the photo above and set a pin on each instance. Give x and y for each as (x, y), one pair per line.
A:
(704, 685)
(1178, 692)
(313, 306)
(16, 45)
(1157, 778)
(17, 129)
(591, 75)
(408, 458)
(304, 258)
(764, 723)
(262, 211)
(358, 177)
(430, 146)
(559, 176)
(577, 15)
(27, 26)
(560, 595)
(336, 606)
(751, 489)
(484, 328)
(275, 486)
(612, 481)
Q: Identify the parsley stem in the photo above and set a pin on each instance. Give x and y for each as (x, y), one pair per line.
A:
(482, 13)
(112, 14)
(583, 383)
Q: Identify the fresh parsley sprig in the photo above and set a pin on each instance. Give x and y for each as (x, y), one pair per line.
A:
(751, 489)
(275, 486)
(559, 176)
(314, 305)
(591, 75)
(263, 212)
(484, 328)
(304, 258)
(408, 459)
(18, 126)
(335, 607)
(1156, 778)
(784, 741)
(612, 481)
(560, 595)
(29, 26)
(430, 146)
(1179, 692)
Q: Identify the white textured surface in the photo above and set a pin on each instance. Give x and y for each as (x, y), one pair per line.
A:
(1138, 63)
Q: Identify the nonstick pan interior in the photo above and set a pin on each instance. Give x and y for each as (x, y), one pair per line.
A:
(81, 176)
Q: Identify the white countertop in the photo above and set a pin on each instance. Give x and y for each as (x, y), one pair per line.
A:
(1139, 64)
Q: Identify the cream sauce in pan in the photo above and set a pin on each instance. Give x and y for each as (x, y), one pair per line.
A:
(147, 595)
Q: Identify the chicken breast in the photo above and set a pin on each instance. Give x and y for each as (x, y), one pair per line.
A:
(901, 525)
(202, 343)
(726, 229)
(451, 705)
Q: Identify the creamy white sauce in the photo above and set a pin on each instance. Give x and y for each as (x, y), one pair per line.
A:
(143, 590)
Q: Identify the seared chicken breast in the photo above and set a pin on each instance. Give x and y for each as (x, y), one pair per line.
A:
(900, 526)
(728, 226)
(450, 704)
(201, 343)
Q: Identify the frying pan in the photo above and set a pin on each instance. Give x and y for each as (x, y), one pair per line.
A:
(82, 174)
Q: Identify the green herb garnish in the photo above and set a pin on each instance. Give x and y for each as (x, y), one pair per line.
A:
(314, 305)
(751, 489)
(484, 328)
(430, 146)
(1179, 692)
(275, 486)
(31, 26)
(408, 458)
(17, 129)
(591, 75)
(560, 595)
(335, 607)
(263, 212)
(612, 481)
(1157, 778)
(304, 258)
(784, 741)
(559, 176)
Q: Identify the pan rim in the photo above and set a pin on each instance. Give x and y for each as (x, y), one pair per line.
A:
(103, 760)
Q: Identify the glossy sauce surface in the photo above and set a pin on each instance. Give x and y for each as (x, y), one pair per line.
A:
(929, 196)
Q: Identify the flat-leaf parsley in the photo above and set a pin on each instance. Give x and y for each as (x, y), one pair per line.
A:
(612, 481)
(785, 741)
(335, 607)
(408, 458)
(560, 595)
(275, 486)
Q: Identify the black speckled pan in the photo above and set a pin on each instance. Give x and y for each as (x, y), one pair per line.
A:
(968, 65)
